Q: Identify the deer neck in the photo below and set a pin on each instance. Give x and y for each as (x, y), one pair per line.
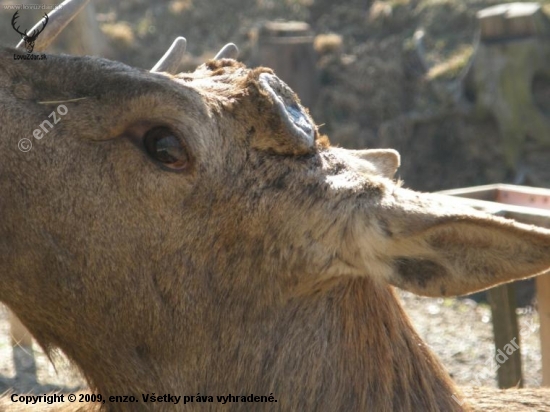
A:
(347, 343)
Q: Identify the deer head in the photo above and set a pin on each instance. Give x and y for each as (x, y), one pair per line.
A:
(195, 232)
(29, 39)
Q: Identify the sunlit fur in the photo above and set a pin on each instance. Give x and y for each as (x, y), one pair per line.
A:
(257, 269)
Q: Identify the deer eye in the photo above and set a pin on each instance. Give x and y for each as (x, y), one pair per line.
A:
(163, 146)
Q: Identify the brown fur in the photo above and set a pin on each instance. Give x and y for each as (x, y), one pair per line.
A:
(259, 269)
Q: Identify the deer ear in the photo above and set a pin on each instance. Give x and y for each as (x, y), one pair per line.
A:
(437, 248)
(385, 161)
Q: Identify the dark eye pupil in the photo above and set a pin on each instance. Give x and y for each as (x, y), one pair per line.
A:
(168, 149)
(164, 147)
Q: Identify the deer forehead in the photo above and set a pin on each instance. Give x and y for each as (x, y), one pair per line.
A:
(260, 101)
(219, 104)
(222, 111)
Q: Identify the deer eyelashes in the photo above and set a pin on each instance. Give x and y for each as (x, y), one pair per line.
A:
(163, 146)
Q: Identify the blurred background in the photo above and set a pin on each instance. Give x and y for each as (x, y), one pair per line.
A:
(388, 73)
(463, 95)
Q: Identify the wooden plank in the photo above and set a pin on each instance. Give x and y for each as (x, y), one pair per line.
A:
(523, 214)
(506, 194)
(512, 20)
(486, 192)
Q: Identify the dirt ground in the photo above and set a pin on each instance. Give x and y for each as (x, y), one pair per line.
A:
(373, 93)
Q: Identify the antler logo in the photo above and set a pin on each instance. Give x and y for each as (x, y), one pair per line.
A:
(29, 38)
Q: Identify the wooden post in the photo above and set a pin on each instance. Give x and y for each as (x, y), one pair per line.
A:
(514, 48)
(505, 329)
(20, 336)
(23, 355)
(543, 298)
(287, 48)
